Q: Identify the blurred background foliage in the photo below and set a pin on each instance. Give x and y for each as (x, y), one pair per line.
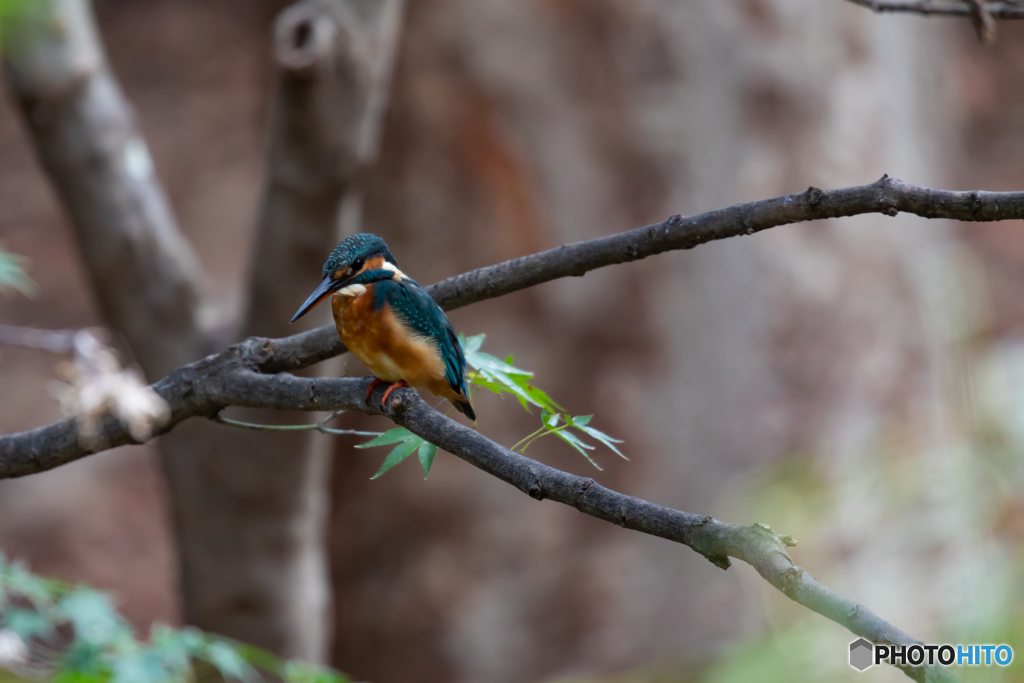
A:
(51, 630)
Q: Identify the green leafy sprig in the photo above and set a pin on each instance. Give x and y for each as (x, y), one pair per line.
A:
(502, 378)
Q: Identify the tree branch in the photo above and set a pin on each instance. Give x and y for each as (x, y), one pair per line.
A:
(886, 196)
(994, 10)
(204, 388)
(188, 389)
(236, 377)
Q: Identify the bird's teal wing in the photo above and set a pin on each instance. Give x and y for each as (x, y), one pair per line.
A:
(414, 307)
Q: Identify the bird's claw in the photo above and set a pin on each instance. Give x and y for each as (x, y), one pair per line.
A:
(373, 385)
(394, 386)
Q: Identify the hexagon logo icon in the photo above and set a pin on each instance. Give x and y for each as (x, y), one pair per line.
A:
(861, 654)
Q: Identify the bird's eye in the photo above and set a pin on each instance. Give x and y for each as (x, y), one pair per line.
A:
(357, 265)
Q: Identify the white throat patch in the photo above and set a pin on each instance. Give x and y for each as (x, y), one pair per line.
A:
(352, 290)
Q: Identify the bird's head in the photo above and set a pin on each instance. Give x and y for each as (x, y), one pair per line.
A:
(358, 257)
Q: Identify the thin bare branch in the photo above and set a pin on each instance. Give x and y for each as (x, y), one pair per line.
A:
(983, 21)
(993, 10)
(886, 196)
(320, 426)
(56, 341)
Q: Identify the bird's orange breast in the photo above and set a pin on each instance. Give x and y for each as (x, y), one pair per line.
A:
(389, 349)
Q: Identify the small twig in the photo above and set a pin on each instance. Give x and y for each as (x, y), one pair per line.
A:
(57, 341)
(526, 439)
(984, 24)
(320, 426)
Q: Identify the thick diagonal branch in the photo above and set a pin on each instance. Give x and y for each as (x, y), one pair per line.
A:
(204, 388)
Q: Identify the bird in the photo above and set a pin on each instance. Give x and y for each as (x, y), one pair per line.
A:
(390, 323)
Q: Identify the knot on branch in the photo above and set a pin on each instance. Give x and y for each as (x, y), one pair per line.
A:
(758, 541)
(887, 201)
(975, 203)
(814, 195)
(581, 491)
(255, 352)
(319, 34)
(527, 481)
(789, 580)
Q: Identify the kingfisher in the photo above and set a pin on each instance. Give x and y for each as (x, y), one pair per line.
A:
(390, 323)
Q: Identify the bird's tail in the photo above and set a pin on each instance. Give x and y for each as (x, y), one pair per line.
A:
(465, 408)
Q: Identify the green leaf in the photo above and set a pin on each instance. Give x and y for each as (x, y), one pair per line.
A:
(537, 395)
(427, 452)
(174, 648)
(472, 344)
(481, 381)
(396, 435)
(227, 660)
(13, 275)
(485, 361)
(603, 438)
(26, 623)
(143, 666)
(301, 672)
(83, 663)
(575, 442)
(506, 381)
(21, 581)
(98, 675)
(93, 616)
(398, 454)
(501, 377)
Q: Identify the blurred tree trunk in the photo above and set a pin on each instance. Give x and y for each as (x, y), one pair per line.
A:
(248, 506)
(518, 126)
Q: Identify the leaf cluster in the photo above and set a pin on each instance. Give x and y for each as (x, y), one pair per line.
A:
(73, 634)
(500, 377)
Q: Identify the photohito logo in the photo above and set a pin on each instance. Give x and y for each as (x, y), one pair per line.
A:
(865, 654)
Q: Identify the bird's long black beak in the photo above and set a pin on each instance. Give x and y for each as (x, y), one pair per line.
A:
(318, 295)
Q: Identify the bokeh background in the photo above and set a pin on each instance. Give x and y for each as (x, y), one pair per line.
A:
(855, 383)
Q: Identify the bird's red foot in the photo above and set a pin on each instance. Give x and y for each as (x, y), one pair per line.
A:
(373, 385)
(394, 386)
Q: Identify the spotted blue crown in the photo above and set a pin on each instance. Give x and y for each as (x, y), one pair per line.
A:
(362, 245)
